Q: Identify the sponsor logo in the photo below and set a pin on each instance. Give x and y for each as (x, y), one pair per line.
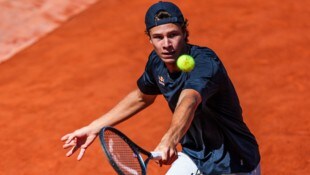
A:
(161, 80)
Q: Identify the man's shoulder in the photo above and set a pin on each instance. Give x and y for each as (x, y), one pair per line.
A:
(153, 57)
(202, 50)
(153, 61)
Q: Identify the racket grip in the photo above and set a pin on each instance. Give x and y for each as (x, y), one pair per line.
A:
(156, 155)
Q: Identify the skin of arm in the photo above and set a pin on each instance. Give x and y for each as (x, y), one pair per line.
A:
(134, 102)
(126, 108)
(181, 120)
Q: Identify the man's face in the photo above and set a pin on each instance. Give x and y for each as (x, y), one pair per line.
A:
(168, 41)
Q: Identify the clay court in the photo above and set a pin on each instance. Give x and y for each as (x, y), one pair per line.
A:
(92, 59)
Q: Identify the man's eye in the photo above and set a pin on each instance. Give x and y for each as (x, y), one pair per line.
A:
(157, 37)
(173, 35)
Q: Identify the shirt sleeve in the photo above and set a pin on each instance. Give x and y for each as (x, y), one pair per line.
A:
(206, 76)
(147, 83)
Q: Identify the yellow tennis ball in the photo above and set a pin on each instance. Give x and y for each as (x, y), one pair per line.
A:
(186, 63)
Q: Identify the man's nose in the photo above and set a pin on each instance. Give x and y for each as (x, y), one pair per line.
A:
(167, 42)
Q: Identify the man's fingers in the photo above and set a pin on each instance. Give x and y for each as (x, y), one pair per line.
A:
(83, 148)
(73, 149)
(70, 143)
(88, 141)
(77, 140)
(70, 137)
(163, 158)
(69, 153)
(82, 151)
(67, 145)
(172, 159)
(65, 137)
(168, 158)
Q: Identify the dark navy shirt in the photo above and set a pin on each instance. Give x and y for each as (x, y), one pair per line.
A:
(218, 140)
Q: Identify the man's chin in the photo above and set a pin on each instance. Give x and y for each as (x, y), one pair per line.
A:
(169, 60)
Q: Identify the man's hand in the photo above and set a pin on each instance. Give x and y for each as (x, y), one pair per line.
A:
(81, 138)
(169, 152)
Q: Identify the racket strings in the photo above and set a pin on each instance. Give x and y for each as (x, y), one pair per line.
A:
(122, 154)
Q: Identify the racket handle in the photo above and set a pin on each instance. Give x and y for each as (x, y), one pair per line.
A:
(156, 155)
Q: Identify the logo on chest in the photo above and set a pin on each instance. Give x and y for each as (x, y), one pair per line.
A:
(161, 80)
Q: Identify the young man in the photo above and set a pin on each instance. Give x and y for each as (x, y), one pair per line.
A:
(207, 117)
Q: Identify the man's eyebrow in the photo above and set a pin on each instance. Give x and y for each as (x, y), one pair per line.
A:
(172, 31)
(156, 34)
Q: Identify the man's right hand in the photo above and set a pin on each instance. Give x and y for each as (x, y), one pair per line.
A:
(81, 138)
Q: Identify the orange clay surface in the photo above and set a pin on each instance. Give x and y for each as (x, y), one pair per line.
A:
(83, 68)
(22, 23)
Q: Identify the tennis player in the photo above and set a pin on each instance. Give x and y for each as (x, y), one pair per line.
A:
(207, 118)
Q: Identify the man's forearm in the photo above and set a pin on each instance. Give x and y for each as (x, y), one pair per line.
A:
(130, 105)
(182, 117)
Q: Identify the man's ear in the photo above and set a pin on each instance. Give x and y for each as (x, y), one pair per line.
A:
(151, 41)
(185, 35)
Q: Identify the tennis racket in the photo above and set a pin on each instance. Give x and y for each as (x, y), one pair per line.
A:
(124, 155)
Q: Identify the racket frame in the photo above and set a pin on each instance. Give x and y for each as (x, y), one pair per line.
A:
(134, 147)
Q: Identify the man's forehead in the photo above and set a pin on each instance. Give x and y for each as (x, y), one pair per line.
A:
(165, 28)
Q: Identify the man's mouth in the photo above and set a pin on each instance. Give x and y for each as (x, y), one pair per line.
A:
(169, 54)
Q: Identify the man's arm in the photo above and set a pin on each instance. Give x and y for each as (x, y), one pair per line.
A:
(130, 105)
(182, 118)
